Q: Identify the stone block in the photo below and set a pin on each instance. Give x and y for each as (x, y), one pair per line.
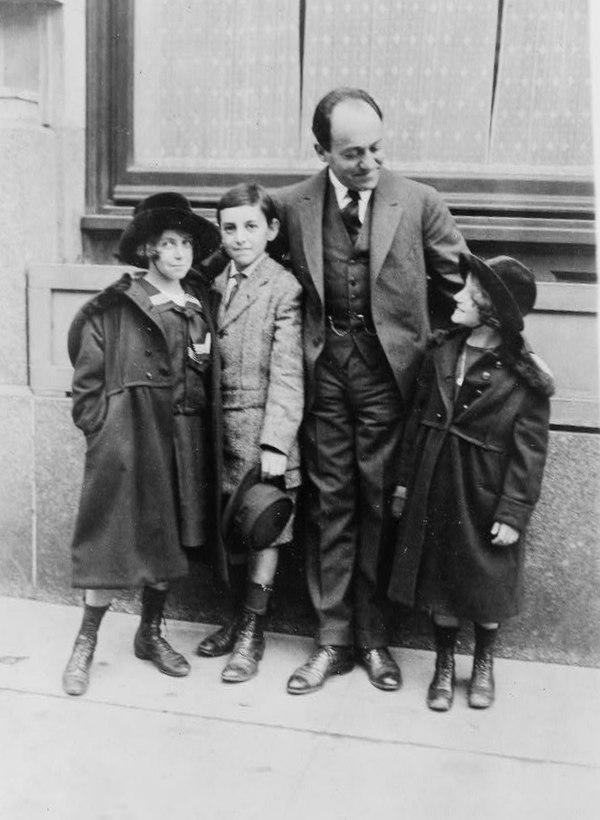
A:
(59, 453)
(16, 492)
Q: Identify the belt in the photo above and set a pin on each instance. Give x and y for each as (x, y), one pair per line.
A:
(351, 323)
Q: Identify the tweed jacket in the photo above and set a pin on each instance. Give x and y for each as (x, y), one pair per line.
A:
(262, 382)
(414, 250)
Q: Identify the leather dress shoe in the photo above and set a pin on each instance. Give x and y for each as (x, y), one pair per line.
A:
(382, 669)
(324, 662)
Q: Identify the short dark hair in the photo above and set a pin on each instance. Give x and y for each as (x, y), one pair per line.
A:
(321, 124)
(248, 193)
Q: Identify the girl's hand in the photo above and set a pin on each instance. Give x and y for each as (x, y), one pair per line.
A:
(504, 534)
(272, 464)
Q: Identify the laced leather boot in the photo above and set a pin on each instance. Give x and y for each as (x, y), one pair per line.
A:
(220, 642)
(441, 689)
(149, 644)
(248, 650)
(76, 677)
(481, 691)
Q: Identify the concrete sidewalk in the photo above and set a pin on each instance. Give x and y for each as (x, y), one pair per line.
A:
(143, 745)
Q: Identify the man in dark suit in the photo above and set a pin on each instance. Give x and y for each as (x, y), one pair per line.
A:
(367, 245)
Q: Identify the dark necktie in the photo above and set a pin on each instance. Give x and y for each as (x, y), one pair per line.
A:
(350, 215)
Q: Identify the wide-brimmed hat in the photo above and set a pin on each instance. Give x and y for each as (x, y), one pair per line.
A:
(255, 514)
(162, 212)
(509, 284)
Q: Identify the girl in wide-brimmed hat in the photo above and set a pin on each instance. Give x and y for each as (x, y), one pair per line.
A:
(145, 394)
(473, 457)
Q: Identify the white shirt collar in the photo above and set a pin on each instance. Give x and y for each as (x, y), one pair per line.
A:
(247, 271)
(341, 194)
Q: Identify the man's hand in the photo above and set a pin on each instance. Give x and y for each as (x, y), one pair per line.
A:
(272, 464)
(397, 501)
(504, 534)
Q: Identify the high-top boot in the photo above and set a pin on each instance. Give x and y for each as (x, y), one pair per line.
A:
(248, 650)
(222, 641)
(481, 691)
(149, 644)
(441, 690)
(76, 677)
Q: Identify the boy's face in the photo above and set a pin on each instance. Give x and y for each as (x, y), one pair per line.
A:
(174, 254)
(245, 233)
(466, 312)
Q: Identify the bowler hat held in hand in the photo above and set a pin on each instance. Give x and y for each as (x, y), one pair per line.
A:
(256, 513)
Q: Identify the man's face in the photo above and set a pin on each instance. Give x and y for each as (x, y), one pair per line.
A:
(356, 153)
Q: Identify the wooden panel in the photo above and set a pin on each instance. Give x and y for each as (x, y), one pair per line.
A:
(562, 330)
(54, 294)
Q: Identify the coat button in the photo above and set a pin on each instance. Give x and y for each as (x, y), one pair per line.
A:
(486, 375)
(465, 406)
(149, 376)
(479, 392)
(317, 342)
(439, 415)
(164, 371)
(147, 353)
(498, 363)
(221, 333)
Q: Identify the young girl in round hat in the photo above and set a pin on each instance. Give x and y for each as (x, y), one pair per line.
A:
(472, 463)
(145, 394)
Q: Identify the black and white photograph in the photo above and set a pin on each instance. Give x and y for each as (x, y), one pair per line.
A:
(299, 410)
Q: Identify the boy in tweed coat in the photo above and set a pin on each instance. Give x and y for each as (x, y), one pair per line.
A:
(260, 340)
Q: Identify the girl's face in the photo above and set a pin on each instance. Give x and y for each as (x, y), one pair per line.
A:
(466, 312)
(171, 255)
(245, 233)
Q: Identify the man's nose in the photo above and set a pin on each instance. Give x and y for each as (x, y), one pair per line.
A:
(369, 161)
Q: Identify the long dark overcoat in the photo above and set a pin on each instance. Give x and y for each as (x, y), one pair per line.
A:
(126, 533)
(471, 459)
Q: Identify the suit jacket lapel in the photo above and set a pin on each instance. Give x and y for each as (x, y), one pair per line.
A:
(311, 222)
(387, 212)
(249, 292)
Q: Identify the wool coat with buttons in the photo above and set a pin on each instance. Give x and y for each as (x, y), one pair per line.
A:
(262, 379)
(480, 453)
(126, 532)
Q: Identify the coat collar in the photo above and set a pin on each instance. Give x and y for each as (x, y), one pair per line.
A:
(248, 294)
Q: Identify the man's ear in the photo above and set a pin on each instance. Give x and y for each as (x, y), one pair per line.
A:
(321, 152)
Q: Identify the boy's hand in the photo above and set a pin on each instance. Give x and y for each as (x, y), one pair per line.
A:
(397, 501)
(272, 464)
(504, 534)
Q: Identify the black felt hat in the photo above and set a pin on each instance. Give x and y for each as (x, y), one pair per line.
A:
(509, 284)
(161, 212)
(256, 514)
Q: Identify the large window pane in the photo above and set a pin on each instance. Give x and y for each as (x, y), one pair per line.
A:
(543, 110)
(216, 81)
(430, 66)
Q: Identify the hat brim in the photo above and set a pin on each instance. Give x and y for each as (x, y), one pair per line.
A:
(251, 478)
(509, 315)
(144, 226)
(262, 520)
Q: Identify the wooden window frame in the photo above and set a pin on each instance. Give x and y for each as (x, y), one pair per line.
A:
(114, 183)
